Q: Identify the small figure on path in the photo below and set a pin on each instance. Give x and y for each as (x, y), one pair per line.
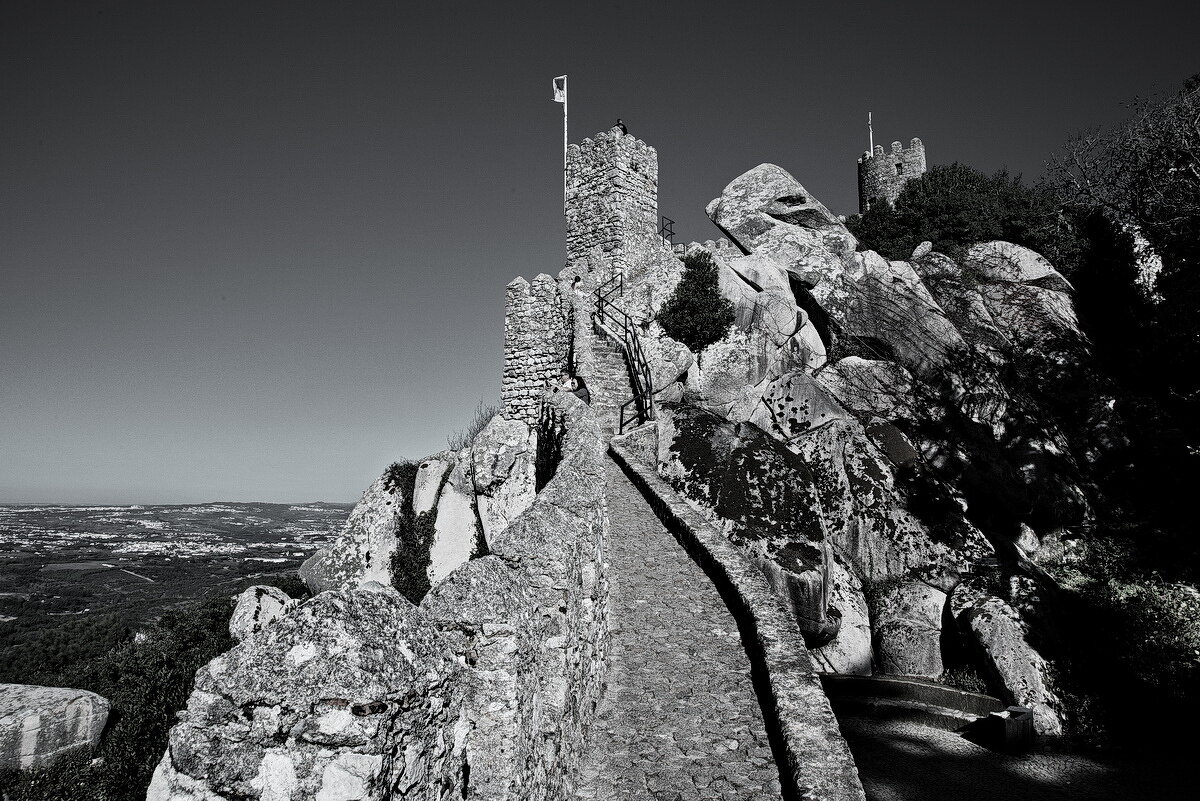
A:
(579, 389)
(621, 125)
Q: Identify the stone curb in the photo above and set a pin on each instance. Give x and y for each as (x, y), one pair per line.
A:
(813, 757)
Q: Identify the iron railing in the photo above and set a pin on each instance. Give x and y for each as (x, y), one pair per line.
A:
(613, 320)
(666, 229)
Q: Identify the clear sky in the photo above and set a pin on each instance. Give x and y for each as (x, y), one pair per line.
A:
(257, 250)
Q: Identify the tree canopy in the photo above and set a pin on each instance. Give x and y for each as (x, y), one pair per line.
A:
(954, 206)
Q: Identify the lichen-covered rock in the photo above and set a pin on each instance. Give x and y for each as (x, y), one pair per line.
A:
(866, 512)
(456, 533)
(40, 724)
(908, 630)
(363, 549)
(502, 460)
(794, 404)
(349, 696)
(1001, 638)
(755, 487)
(871, 388)
(1004, 261)
(256, 608)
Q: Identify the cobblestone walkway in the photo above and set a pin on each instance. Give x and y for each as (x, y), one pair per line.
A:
(679, 720)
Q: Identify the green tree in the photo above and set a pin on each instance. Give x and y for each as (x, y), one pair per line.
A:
(954, 206)
(696, 314)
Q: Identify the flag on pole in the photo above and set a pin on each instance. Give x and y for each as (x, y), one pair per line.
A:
(560, 89)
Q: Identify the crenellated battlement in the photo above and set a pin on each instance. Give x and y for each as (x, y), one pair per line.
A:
(883, 174)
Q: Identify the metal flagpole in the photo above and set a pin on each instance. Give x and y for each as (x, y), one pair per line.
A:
(564, 144)
(871, 133)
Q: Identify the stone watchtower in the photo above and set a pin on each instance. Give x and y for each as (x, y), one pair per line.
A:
(882, 175)
(612, 198)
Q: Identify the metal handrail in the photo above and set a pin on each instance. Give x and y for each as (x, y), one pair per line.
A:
(609, 316)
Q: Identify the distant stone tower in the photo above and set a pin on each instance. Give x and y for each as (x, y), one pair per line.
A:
(882, 175)
(612, 198)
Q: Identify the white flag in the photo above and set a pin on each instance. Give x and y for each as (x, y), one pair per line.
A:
(560, 89)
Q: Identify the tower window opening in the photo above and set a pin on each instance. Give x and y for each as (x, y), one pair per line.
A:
(899, 168)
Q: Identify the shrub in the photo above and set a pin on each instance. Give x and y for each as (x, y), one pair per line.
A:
(464, 437)
(696, 314)
(146, 682)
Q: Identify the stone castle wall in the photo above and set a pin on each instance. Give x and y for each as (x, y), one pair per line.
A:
(537, 344)
(881, 175)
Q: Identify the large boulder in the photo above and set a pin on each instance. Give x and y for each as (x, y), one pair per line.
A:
(758, 490)
(350, 697)
(1031, 316)
(867, 512)
(1004, 261)
(891, 313)
(908, 629)
(40, 724)
(871, 388)
(667, 359)
(766, 211)
(456, 531)
(363, 550)
(850, 651)
(256, 608)
(762, 272)
(732, 372)
(1001, 639)
(428, 484)
(503, 457)
(794, 404)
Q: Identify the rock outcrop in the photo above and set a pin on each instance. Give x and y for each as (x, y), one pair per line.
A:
(363, 549)
(484, 690)
(40, 724)
(256, 608)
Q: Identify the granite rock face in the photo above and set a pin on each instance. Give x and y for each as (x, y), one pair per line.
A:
(363, 549)
(348, 697)
(767, 212)
(502, 460)
(908, 630)
(1003, 261)
(1001, 635)
(456, 532)
(40, 724)
(483, 691)
(256, 608)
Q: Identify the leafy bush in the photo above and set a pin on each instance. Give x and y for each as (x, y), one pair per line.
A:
(146, 682)
(696, 314)
(954, 206)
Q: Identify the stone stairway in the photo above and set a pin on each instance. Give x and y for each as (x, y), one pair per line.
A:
(608, 382)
